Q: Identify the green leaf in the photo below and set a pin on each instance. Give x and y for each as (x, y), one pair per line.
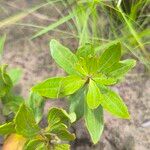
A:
(64, 135)
(81, 67)
(49, 88)
(33, 144)
(110, 57)
(104, 80)
(11, 103)
(92, 65)
(5, 81)
(25, 122)
(57, 120)
(7, 128)
(59, 126)
(94, 97)
(77, 103)
(120, 69)
(85, 51)
(2, 42)
(72, 117)
(36, 103)
(56, 116)
(94, 122)
(15, 74)
(63, 57)
(42, 146)
(70, 85)
(61, 147)
(114, 104)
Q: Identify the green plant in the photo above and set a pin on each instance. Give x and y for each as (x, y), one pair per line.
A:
(89, 75)
(24, 127)
(34, 137)
(105, 23)
(8, 79)
(23, 131)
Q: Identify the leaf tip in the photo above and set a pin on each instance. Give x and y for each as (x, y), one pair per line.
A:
(53, 41)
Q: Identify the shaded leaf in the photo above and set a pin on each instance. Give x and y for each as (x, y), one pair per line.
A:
(77, 103)
(11, 103)
(56, 116)
(94, 122)
(33, 144)
(25, 122)
(5, 81)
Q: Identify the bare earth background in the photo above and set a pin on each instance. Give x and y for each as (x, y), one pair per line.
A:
(34, 59)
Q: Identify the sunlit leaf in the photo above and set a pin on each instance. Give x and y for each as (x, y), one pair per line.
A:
(94, 97)
(61, 147)
(104, 80)
(113, 103)
(110, 57)
(63, 57)
(85, 51)
(120, 69)
(15, 74)
(70, 85)
(49, 88)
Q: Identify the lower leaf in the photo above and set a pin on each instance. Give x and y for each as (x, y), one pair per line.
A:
(32, 144)
(62, 147)
(94, 122)
(7, 128)
(77, 103)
